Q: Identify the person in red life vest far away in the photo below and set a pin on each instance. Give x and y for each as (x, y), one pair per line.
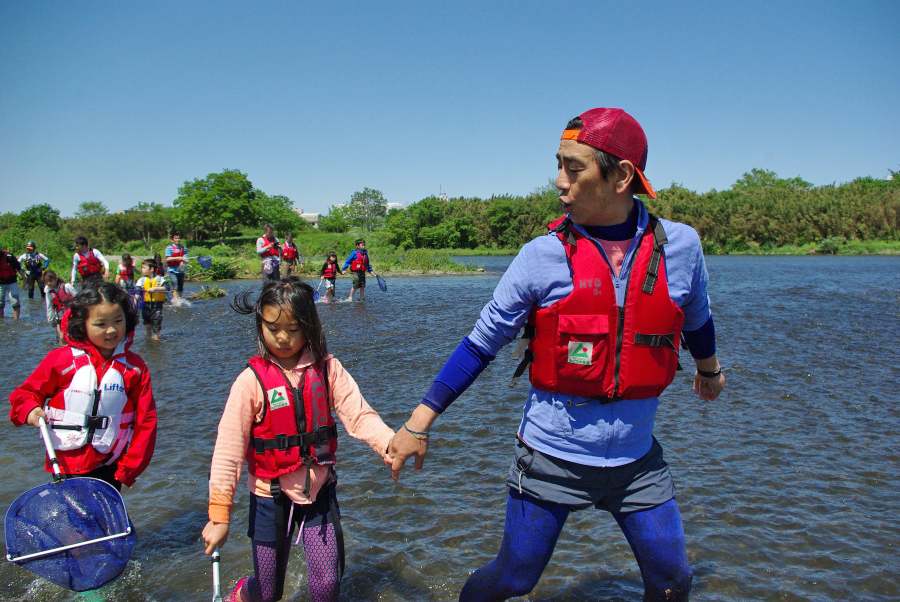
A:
(176, 264)
(329, 273)
(88, 263)
(290, 454)
(269, 251)
(10, 270)
(112, 437)
(603, 298)
(290, 257)
(358, 262)
(58, 294)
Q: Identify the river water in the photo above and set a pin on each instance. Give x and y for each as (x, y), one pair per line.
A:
(787, 484)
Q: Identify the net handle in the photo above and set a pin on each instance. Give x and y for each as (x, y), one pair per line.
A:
(72, 546)
(51, 453)
(217, 589)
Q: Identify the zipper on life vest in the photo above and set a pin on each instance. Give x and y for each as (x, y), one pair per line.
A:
(620, 310)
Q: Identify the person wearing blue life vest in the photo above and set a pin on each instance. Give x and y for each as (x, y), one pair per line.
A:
(603, 298)
(358, 262)
(34, 263)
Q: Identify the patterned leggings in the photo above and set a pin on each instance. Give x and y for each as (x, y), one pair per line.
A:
(323, 543)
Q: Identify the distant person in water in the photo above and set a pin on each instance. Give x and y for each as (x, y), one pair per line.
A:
(290, 257)
(154, 288)
(10, 269)
(269, 251)
(358, 262)
(88, 263)
(176, 264)
(329, 274)
(34, 264)
(602, 297)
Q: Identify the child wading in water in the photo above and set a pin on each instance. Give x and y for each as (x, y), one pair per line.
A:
(58, 295)
(290, 455)
(98, 328)
(329, 272)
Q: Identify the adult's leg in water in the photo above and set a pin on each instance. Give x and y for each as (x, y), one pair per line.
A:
(532, 528)
(656, 537)
(323, 562)
(270, 574)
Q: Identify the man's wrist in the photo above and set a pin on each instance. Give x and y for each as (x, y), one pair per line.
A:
(707, 374)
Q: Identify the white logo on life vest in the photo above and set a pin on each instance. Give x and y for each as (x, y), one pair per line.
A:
(277, 398)
(594, 283)
(580, 353)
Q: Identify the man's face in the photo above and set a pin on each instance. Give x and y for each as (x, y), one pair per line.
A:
(583, 192)
(81, 248)
(176, 240)
(269, 232)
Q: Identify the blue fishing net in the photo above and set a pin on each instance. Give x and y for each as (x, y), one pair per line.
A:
(72, 511)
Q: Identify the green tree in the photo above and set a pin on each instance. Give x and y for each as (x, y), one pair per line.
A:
(367, 209)
(219, 204)
(337, 220)
(760, 178)
(149, 221)
(39, 215)
(91, 209)
(279, 211)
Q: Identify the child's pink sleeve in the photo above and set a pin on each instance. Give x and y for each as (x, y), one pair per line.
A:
(232, 441)
(143, 440)
(42, 384)
(357, 416)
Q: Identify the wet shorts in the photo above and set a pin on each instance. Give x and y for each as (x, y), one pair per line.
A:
(359, 279)
(329, 284)
(323, 510)
(642, 484)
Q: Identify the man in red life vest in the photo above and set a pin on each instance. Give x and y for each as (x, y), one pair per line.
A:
(176, 264)
(88, 263)
(602, 297)
(9, 284)
(268, 249)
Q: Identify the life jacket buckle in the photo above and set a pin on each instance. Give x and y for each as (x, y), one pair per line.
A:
(281, 442)
(97, 422)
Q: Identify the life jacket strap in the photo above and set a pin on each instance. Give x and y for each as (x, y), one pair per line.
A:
(283, 442)
(527, 358)
(659, 235)
(656, 340)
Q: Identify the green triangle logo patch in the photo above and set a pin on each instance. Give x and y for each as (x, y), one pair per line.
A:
(580, 353)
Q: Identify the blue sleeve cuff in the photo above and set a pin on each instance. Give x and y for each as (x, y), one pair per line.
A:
(461, 369)
(701, 342)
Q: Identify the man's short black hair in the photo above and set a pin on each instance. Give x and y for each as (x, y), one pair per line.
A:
(80, 240)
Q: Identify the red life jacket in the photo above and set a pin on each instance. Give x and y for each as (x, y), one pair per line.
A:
(174, 260)
(329, 269)
(6, 269)
(289, 251)
(360, 263)
(126, 272)
(586, 345)
(89, 264)
(60, 297)
(289, 436)
(271, 251)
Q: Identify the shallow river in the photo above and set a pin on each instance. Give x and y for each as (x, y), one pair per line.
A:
(785, 484)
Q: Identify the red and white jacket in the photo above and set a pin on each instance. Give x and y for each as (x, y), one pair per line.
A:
(50, 385)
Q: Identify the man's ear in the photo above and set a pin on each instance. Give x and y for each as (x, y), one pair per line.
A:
(624, 176)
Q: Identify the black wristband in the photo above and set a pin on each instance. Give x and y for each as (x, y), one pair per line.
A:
(706, 374)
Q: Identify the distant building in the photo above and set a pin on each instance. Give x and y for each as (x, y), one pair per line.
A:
(312, 218)
(395, 206)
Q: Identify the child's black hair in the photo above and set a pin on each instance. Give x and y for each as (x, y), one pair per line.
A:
(295, 296)
(81, 240)
(332, 254)
(89, 297)
(126, 257)
(360, 241)
(48, 276)
(149, 262)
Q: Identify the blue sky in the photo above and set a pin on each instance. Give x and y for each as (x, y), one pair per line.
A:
(122, 102)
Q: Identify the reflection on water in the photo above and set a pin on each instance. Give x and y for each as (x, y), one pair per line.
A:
(784, 485)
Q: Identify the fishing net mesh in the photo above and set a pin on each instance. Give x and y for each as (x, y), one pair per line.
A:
(70, 512)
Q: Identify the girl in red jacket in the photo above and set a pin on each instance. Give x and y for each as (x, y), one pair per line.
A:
(111, 437)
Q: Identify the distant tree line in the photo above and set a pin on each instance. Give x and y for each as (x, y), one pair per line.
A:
(759, 211)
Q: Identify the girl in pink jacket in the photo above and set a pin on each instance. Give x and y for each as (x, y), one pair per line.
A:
(278, 418)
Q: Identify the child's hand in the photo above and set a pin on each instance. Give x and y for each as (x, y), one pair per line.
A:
(34, 415)
(214, 534)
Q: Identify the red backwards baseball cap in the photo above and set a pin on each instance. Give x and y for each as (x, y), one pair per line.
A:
(617, 133)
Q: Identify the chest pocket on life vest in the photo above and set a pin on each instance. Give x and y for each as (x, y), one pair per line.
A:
(94, 412)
